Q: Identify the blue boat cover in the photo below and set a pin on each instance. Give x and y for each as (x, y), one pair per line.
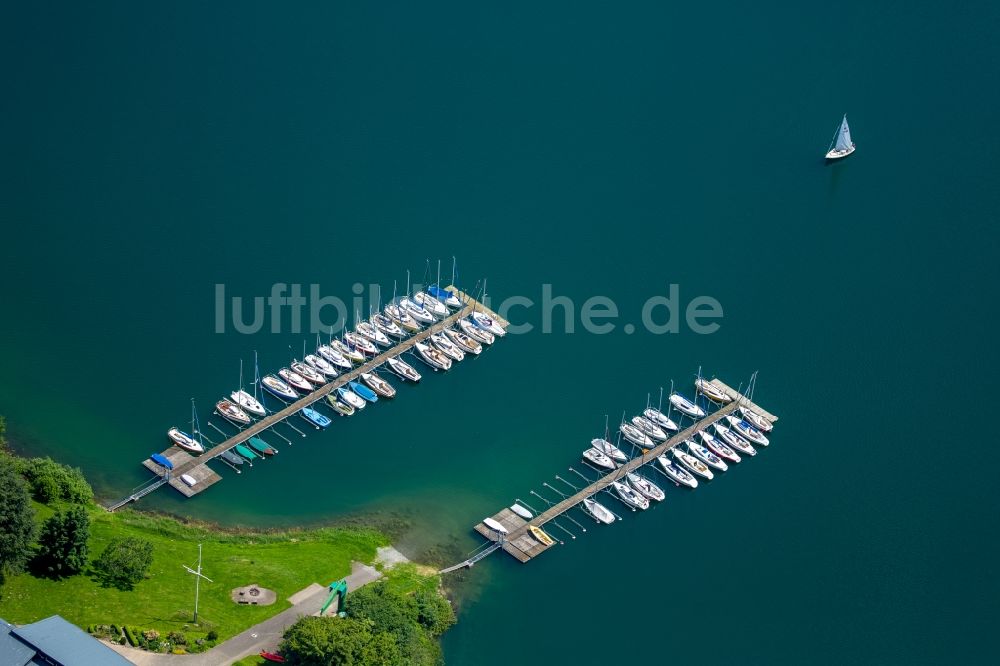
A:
(363, 391)
(438, 292)
(161, 459)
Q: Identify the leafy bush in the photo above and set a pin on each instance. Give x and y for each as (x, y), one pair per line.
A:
(51, 481)
(213, 635)
(124, 562)
(434, 612)
(130, 637)
(177, 638)
(332, 641)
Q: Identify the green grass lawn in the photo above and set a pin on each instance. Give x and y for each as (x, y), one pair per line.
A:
(282, 561)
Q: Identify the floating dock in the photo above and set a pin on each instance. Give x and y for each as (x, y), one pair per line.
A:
(523, 547)
(205, 477)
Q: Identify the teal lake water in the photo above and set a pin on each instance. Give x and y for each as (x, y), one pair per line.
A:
(153, 152)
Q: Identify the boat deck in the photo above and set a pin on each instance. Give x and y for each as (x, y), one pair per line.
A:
(185, 463)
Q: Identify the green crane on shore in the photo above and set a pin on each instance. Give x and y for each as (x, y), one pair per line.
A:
(338, 590)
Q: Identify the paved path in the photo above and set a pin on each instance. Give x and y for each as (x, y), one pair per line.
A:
(263, 636)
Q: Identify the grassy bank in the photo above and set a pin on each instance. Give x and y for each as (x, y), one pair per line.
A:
(284, 561)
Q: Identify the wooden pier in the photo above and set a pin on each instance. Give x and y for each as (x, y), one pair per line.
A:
(518, 541)
(196, 467)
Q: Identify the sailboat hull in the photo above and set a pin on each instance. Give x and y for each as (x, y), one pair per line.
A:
(835, 155)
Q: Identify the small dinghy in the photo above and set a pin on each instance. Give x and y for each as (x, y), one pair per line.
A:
(600, 512)
(435, 306)
(482, 321)
(494, 525)
(747, 431)
(334, 357)
(718, 447)
(755, 419)
(601, 460)
(609, 449)
(185, 441)
(636, 436)
(441, 341)
(445, 296)
(706, 456)
(379, 385)
(295, 380)
(309, 373)
(246, 453)
(433, 357)
(685, 406)
(403, 369)
(734, 440)
(351, 398)
(678, 474)
(321, 365)
(232, 458)
(365, 392)
(278, 388)
(473, 331)
(402, 318)
(692, 463)
(262, 447)
(842, 144)
(660, 419)
(362, 343)
(372, 334)
(321, 421)
(464, 342)
(387, 326)
(648, 427)
(541, 536)
(248, 403)
(349, 352)
(339, 406)
(232, 413)
(630, 496)
(418, 312)
(646, 488)
(521, 511)
(711, 391)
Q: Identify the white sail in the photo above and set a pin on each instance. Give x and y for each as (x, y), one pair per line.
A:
(844, 136)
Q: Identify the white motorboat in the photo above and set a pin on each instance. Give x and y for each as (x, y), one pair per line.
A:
(379, 385)
(660, 419)
(362, 343)
(373, 334)
(436, 307)
(349, 352)
(685, 406)
(308, 372)
(481, 320)
(232, 413)
(521, 511)
(185, 441)
(676, 473)
(278, 388)
(706, 456)
(433, 357)
(295, 380)
(321, 365)
(351, 398)
(403, 369)
(598, 458)
(646, 488)
(609, 449)
(450, 349)
(248, 403)
(711, 391)
(334, 357)
(755, 419)
(598, 511)
(417, 311)
(463, 341)
(692, 463)
(648, 427)
(630, 496)
(636, 436)
(747, 431)
(494, 525)
(402, 318)
(718, 447)
(387, 326)
(473, 331)
(734, 440)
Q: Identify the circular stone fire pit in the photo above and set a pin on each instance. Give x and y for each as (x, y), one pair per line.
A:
(254, 595)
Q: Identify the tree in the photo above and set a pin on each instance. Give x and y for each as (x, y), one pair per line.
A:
(332, 641)
(52, 481)
(3, 431)
(17, 518)
(387, 610)
(62, 544)
(434, 612)
(124, 562)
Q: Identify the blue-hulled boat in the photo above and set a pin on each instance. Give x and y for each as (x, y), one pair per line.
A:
(161, 459)
(278, 388)
(315, 418)
(364, 391)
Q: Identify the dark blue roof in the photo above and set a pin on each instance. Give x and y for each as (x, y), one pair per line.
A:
(61, 643)
(12, 651)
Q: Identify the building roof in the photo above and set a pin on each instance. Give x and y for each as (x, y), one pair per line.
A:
(12, 651)
(54, 640)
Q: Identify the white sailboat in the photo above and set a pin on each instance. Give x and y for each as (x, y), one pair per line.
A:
(598, 511)
(842, 144)
(248, 402)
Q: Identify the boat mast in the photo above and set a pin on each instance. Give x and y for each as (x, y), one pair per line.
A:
(256, 375)
(438, 283)
(453, 273)
(195, 426)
